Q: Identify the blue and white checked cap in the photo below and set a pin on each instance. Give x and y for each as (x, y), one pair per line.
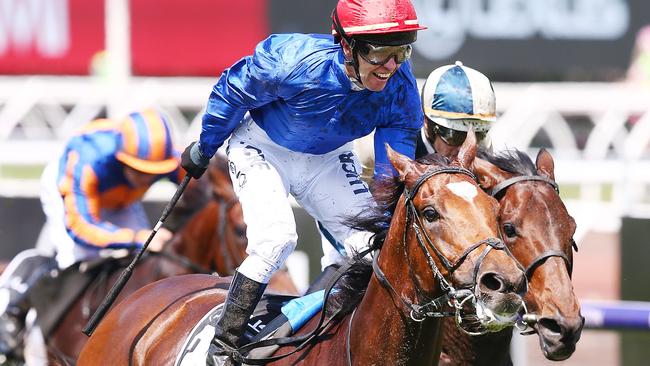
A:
(457, 97)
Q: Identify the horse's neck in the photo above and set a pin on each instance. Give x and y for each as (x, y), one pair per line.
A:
(459, 348)
(381, 319)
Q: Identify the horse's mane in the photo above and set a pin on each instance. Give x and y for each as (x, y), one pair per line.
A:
(513, 161)
(375, 219)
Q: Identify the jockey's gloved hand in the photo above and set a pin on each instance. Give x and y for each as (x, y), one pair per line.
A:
(193, 161)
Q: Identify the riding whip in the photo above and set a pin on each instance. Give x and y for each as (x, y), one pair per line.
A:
(126, 274)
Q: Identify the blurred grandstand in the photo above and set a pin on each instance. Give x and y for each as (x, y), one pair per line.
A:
(564, 91)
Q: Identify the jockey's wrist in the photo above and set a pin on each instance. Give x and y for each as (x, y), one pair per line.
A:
(197, 156)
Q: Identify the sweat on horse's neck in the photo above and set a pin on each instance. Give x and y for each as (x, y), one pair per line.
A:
(381, 319)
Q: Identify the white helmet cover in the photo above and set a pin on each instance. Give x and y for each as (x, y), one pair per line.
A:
(457, 97)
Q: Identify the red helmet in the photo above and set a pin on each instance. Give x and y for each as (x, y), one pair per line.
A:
(352, 18)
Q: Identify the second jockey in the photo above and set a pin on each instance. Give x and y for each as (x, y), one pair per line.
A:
(91, 196)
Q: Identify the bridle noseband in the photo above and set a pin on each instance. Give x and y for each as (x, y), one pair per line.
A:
(452, 296)
(499, 189)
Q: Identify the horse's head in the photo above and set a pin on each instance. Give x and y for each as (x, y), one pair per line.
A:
(538, 230)
(449, 229)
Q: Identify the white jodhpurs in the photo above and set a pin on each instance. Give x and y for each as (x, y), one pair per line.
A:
(264, 173)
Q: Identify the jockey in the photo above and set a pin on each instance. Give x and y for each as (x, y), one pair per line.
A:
(308, 98)
(91, 198)
(455, 98)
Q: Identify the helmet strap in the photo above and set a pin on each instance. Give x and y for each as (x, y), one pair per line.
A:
(354, 63)
(352, 44)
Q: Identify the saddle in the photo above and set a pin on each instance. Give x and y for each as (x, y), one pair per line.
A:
(54, 294)
(275, 316)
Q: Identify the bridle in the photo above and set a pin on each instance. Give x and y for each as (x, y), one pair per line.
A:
(499, 190)
(452, 296)
(432, 309)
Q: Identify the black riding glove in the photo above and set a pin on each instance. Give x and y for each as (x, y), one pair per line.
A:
(193, 161)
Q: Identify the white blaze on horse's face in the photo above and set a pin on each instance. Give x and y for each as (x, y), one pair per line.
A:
(465, 190)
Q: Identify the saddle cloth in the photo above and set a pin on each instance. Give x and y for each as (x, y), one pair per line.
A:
(275, 316)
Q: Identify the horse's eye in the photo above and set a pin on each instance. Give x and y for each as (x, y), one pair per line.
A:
(509, 230)
(430, 214)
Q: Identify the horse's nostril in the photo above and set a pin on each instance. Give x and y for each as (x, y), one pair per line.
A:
(551, 325)
(492, 282)
(522, 286)
(240, 231)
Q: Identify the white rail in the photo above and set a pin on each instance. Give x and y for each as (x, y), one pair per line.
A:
(598, 133)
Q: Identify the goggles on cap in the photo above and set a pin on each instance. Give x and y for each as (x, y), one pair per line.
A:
(455, 137)
(379, 55)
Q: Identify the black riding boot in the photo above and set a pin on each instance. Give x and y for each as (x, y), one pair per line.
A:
(28, 270)
(243, 296)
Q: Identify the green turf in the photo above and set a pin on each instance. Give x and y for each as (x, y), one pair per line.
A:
(21, 171)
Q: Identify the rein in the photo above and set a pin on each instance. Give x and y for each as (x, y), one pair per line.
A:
(451, 296)
(300, 341)
(184, 261)
(418, 312)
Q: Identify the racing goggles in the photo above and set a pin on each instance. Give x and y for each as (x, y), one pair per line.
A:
(455, 137)
(379, 55)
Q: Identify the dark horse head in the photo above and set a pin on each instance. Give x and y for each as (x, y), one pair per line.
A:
(538, 230)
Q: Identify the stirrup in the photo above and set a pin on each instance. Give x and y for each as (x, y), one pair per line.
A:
(222, 353)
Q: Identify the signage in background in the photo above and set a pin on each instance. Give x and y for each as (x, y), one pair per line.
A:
(510, 40)
(198, 37)
(168, 37)
(50, 36)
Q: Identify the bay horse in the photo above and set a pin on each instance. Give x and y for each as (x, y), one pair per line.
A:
(538, 230)
(211, 239)
(440, 247)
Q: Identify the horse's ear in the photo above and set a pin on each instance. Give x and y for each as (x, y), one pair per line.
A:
(400, 162)
(488, 174)
(545, 165)
(467, 151)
